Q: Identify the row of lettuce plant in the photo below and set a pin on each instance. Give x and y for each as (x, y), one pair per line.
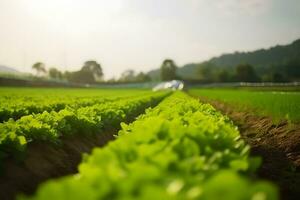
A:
(181, 149)
(16, 108)
(50, 126)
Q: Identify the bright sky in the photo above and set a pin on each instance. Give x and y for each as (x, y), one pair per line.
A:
(139, 34)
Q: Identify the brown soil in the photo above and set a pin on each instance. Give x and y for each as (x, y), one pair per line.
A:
(44, 161)
(278, 145)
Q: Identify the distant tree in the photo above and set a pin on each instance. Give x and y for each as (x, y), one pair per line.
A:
(274, 77)
(141, 77)
(89, 73)
(81, 76)
(67, 75)
(127, 76)
(223, 76)
(207, 72)
(292, 69)
(278, 77)
(40, 68)
(55, 73)
(168, 70)
(94, 67)
(112, 80)
(246, 73)
(131, 76)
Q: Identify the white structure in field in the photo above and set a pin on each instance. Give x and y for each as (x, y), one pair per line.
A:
(170, 85)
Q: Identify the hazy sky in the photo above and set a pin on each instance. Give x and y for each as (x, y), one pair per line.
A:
(139, 34)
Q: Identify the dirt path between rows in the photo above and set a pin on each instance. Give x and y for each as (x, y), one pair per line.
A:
(44, 161)
(278, 145)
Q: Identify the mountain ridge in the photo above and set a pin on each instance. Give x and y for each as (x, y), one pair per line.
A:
(262, 59)
(6, 69)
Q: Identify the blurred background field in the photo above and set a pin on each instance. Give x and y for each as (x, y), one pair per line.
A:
(278, 103)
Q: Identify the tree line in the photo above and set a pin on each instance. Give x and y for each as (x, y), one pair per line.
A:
(206, 72)
(90, 73)
(289, 71)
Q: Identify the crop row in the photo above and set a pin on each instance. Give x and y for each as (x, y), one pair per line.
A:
(181, 149)
(50, 126)
(25, 105)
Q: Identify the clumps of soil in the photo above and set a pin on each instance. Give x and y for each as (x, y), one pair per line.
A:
(44, 161)
(277, 143)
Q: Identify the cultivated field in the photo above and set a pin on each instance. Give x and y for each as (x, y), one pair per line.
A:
(140, 144)
(274, 103)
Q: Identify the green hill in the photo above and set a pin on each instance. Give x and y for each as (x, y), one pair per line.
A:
(282, 59)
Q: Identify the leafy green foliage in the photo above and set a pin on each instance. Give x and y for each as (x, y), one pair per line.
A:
(181, 149)
(50, 126)
(15, 103)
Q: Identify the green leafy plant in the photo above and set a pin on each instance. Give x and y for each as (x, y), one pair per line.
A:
(181, 149)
